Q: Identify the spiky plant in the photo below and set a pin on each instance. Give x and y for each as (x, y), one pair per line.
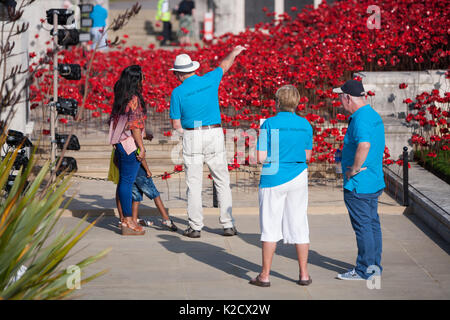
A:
(28, 215)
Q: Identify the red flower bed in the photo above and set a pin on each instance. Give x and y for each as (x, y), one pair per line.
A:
(317, 51)
(430, 114)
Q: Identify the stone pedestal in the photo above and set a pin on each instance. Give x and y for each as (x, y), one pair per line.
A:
(388, 100)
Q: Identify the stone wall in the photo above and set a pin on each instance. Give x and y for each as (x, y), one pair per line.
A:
(25, 44)
(388, 100)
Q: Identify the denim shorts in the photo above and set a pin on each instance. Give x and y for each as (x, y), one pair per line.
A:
(144, 185)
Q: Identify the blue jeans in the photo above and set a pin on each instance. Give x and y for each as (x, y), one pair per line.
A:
(144, 185)
(128, 168)
(363, 211)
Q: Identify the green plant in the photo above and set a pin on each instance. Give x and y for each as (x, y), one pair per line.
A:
(439, 163)
(28, 215)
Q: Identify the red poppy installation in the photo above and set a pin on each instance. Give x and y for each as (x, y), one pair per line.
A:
(315, 51)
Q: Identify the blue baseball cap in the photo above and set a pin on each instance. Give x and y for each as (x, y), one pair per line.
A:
(354, 88)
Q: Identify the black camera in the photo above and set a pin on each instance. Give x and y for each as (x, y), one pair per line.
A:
(67, 107)
(68, 164)
(9, 184)
(70, 71)
(15, 138)
(21, 160)
(63, 16)
(61, 139)
(67, 37)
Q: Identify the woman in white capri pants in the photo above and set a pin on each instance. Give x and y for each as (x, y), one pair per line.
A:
(284, 147)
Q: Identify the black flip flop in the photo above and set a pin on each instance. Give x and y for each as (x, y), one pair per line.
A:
(304, 282)
(259, 283)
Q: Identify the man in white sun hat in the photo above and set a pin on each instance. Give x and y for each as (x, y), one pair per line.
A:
(195, 113)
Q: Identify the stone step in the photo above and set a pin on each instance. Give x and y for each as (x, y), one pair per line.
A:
(103, 145)
(160, 155)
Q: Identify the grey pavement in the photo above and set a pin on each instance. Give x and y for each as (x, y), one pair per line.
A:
(98, 197)
(166, 265)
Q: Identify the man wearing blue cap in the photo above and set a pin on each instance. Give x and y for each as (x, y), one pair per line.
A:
(362, 167)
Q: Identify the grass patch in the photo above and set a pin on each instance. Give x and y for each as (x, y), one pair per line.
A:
(439, 166)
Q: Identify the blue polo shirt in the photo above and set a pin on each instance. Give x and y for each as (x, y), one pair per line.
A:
(196, 100)
(98, 16)
(365, 125)
(285, 137)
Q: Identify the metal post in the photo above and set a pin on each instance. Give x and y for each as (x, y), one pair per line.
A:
(405, 177)
(215, 203)
(55, 90)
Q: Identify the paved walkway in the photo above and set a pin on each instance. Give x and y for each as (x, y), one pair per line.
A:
(98, 197)
(166, 265)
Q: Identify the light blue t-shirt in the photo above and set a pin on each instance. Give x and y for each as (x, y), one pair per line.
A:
(98, 16)
(285, 137)
(365, 125)
(196, 100)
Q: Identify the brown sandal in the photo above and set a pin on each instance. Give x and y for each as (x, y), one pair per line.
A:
(259, 283)
(128, 230)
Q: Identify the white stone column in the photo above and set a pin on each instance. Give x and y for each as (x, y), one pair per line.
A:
(239, 20)
(229, 16)
(19, 57)
(317, 3)
(279, 7)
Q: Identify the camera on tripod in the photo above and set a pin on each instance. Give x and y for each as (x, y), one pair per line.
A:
(68, 107)
(70, 71)
(15, 138)
(67, 37)
(63, 16)
(9, 184)
(61, 139)
(68, 164)
(21, 160)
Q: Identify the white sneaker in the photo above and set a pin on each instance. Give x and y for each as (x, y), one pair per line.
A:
(350, 275)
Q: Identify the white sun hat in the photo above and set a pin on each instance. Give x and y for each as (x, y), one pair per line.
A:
(183, 63)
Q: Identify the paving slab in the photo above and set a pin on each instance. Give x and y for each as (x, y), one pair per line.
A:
(166, 265)
(96, 197)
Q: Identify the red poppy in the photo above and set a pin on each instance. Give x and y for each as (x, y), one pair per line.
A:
(407, 101)
(165, 176)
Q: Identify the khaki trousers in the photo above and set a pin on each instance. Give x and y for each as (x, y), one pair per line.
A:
(199, 147)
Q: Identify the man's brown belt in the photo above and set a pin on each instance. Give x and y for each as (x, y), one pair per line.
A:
(205, 127)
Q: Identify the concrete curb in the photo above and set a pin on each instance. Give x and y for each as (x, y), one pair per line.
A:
(435, 217)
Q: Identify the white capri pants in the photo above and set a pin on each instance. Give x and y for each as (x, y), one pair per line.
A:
(282, 211)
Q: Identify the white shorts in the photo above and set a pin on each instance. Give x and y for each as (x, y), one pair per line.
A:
(282, 211)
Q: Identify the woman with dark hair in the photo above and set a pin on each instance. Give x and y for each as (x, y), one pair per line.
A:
(126, 128)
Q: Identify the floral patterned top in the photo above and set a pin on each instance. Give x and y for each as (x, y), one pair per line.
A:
(136, 116)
